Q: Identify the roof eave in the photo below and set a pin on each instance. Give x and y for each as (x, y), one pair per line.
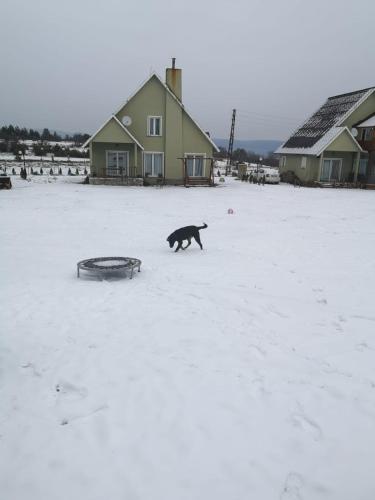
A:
(343, 129)
(113, 117)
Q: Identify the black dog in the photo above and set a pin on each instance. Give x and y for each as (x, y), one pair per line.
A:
(185, 233)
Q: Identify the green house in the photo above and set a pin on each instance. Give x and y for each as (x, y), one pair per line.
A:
(152, 137)
(336, 144)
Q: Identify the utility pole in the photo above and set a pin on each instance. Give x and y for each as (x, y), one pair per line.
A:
(230, 147)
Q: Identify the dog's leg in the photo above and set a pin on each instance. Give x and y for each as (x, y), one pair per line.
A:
(188, 244)
(198, 240)
(179, 246)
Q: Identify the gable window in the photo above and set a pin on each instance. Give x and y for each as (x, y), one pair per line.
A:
(303, 162)
(154, 126)
(117, 163)
(153, 164)
(195, 165)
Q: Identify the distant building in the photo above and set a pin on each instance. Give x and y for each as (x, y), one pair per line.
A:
(337, 143)
(152, 136)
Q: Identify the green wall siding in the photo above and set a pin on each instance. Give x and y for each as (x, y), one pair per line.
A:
(311, 172)
(149, 101)
(293, 162)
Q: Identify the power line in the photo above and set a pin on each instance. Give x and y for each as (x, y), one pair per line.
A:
(267, 115)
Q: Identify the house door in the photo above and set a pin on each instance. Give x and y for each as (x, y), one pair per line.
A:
(117, 163)
(194, 165)
(331, 170)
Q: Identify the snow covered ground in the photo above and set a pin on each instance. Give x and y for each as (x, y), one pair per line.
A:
(243, 371)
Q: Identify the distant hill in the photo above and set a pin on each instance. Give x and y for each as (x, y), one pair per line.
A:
(260, 147)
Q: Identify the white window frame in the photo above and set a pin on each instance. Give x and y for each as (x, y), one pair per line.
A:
(330, 169)
(107, 169)
(303, 161)
(200, 155)
(282, 161)
(144, 166)
(149, 128)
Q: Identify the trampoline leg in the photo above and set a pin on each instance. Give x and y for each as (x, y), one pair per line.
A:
(77, 271)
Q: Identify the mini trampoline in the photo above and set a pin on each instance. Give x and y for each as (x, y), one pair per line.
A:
(106, 265)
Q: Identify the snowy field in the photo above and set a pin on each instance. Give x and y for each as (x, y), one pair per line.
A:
(243, 371)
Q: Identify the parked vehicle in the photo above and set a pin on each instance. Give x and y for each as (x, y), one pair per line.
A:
(272, 177)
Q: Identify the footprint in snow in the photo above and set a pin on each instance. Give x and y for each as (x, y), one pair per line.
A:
(322, 301)
(293, 485)
(308, 425)
(71, 391)
(66, 421)
(34, 371)
(258, 351)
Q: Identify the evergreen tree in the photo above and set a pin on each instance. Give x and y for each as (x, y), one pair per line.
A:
(46, 135)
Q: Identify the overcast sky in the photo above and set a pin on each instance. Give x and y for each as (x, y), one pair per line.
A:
(67, 65)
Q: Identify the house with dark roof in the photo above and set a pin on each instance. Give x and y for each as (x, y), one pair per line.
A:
(337, 143)
(152, 136)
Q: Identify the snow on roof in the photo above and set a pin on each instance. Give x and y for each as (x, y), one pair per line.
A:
(308, 138)
(370, 122)
(321, 145)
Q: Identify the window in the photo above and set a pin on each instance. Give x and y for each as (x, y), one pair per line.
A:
(153, 164)
(154, 126)
(194, 165)
(117, 163)
(282, 161)
(363, 162)
(331, 169)
(303, 162)
(367, 134)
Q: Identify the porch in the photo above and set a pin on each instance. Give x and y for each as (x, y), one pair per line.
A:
(343, 169)
(197, 170)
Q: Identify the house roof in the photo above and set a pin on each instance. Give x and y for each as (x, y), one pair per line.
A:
(155, 75)
(322, 144)
(321, 126)
(113, 117)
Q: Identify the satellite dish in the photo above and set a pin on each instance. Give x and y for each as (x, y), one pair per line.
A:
(126, 120)
(354, 132)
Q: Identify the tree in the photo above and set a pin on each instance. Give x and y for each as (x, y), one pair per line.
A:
(46, 135)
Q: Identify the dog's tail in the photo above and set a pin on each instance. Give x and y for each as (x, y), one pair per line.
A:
(203, 227)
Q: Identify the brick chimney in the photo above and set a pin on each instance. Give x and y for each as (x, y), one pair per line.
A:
(173, 79)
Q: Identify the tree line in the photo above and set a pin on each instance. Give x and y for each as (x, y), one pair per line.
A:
(12, 137)
(15, 133)
(241, 155)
